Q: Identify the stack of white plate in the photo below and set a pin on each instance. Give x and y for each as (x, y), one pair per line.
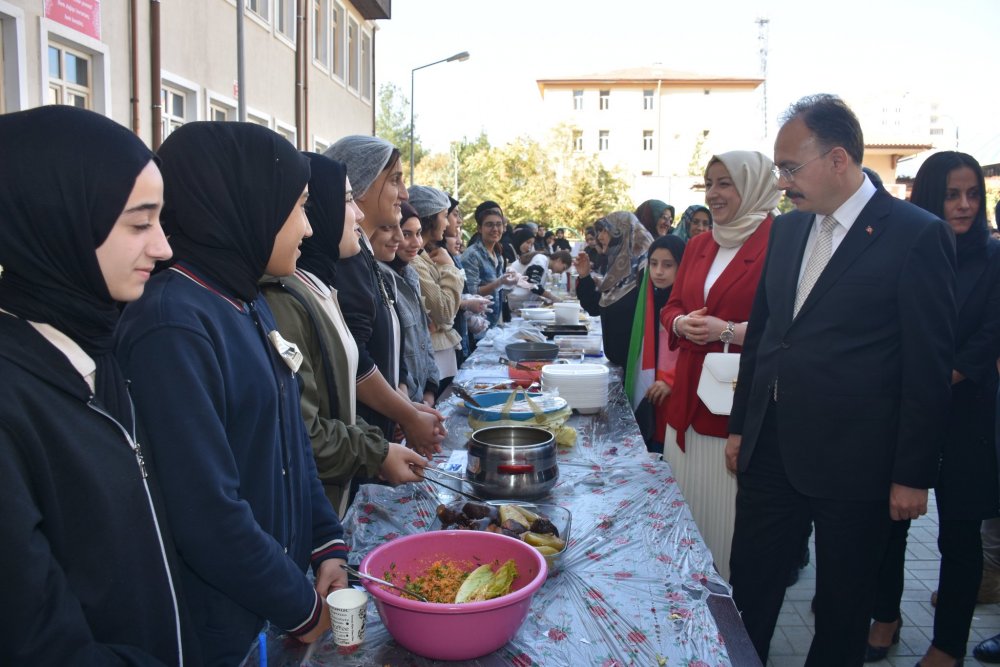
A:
(584, 386)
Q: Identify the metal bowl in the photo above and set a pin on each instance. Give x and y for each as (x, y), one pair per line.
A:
(532, 351)
(512, 462)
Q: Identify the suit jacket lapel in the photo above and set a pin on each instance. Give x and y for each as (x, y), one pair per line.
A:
(865, 230)
(752, 251)
(798, 233)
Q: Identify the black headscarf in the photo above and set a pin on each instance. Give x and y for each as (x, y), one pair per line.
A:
(229, 187)
(675, 245)
(327, 192)
(65, 177)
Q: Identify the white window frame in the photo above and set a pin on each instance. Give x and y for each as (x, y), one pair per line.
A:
(324, 23)
(192, 96)
(648, 99)
(603, 100)
(290, 10)
(61, 36)
(259, 117)
(215, 99)
(577, 98)
(604, 140)
(577, 141)
(281, 128)
(338, 39)
(353, 56)
(15, 60)
(319, 144)
(367, 75)
(263, 21)
(647, 141)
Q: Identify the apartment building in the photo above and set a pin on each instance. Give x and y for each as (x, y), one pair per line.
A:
(153, 66)
(656, 124)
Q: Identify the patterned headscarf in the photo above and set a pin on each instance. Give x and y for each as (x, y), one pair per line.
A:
(626, 254)
(683, 230)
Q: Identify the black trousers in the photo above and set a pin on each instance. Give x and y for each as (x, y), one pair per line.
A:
(961, 550)
(772, 520)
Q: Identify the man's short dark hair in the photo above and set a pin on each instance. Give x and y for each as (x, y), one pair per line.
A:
(832, 121)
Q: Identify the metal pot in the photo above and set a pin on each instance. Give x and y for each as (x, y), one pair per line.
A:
(512, 462)
(532, 351)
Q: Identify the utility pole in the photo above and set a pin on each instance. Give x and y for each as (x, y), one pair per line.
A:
(762, 31)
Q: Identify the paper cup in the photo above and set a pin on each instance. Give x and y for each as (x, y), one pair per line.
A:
(567, 313)
(348, 608)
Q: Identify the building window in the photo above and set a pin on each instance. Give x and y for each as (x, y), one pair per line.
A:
(285, 130)
(647, 140)
(603, 140)
(647, 100)
(647, 173)
(337, 39)
(320, 37)
(285, 18)
(605, 100)
(220, 111)
(258, 7)
(577, 140)
(258, 119)
(174, 112)
(353, 72)
(70, 77)
(937, 131)
(366, 66)
(320, 145)
(577, 100)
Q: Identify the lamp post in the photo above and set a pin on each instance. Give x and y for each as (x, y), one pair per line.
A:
(464, 55)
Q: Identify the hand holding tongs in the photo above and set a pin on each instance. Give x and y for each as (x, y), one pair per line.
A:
(423, 474)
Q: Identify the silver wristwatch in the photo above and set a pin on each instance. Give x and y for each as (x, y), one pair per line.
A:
(728, 334)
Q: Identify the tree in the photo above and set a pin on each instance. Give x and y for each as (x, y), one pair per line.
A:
(392, 122)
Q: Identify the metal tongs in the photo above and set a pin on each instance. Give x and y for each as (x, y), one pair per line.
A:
(351, 570)
(515, 365)
(438, 471)
(464, 395)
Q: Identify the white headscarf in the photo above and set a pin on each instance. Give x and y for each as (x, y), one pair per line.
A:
(754, 179)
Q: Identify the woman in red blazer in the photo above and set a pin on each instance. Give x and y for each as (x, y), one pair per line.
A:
(710, 304)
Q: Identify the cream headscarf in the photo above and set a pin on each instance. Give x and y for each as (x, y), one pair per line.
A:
(754, 180)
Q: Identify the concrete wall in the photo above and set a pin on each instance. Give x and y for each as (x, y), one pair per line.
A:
(198, 58)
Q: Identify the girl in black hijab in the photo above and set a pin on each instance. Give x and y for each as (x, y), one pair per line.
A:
(80, 198)
(307, 310)
(216, 383)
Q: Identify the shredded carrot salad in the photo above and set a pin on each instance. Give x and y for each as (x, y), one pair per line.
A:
(440, 583)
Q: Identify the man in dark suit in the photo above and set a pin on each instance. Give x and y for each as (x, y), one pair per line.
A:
(844, 382)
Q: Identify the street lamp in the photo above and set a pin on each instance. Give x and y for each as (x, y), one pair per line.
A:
(464, 55)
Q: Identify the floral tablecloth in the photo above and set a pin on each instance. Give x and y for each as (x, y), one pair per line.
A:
(634, 584)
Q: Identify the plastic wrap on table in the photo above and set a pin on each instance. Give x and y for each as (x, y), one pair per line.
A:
(632, 588)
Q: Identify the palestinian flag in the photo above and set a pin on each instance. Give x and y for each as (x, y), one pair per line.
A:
(640, 373)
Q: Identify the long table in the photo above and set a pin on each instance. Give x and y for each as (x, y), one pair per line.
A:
(636, 587)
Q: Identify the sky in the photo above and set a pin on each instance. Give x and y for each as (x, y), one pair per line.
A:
(945, 48)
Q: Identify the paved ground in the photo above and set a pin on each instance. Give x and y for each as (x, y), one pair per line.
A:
(795, 625)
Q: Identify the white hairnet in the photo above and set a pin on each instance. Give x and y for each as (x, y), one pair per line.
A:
(365, 158)
(427, 201)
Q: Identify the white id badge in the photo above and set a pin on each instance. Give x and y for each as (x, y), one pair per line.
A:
(289, 352)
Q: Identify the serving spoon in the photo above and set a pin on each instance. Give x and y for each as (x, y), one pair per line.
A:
(351, 570)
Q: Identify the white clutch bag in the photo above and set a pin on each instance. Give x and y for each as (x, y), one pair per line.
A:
(718, 381)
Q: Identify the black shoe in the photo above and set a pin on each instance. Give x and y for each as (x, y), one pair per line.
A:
(876, 653)
(988, 650)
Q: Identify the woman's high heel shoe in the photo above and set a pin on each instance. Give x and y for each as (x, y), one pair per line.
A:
(876, 653)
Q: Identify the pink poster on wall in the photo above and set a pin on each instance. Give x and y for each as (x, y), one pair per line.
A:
(80, 15)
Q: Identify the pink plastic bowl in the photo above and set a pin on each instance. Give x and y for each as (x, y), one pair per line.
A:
(453, 631)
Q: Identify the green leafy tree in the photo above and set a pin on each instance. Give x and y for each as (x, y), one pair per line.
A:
(392, 122)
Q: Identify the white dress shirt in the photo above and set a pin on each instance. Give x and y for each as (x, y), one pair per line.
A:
(845, 215)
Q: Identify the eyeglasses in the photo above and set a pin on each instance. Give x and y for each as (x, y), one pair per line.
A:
(493, 224)
(789, 174)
